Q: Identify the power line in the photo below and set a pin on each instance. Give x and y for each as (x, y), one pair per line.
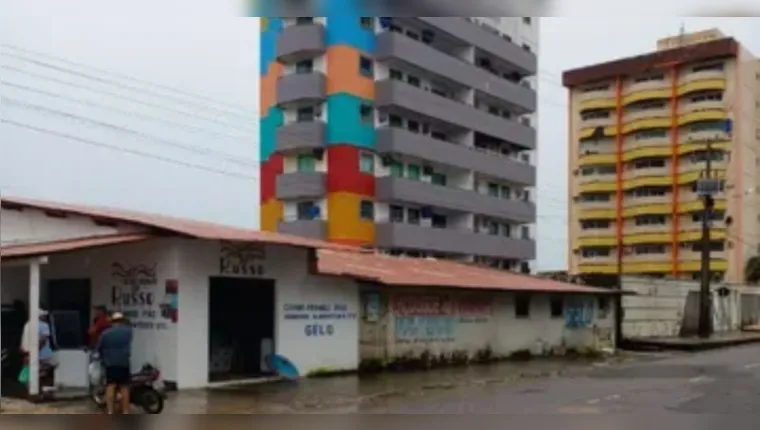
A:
(201, 98)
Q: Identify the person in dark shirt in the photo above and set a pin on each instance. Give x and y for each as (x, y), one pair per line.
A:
(99, 325)
(115, 349)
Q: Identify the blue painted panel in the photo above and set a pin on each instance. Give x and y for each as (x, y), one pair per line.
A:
(344, 123)
(268, 132)
(268, 44)
(346, 30)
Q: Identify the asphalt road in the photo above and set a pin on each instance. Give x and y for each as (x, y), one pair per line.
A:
(703, 390)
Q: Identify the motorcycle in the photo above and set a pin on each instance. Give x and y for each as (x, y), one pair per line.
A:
(146, 388)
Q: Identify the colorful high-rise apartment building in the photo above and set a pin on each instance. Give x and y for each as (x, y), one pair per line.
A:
(412, 135)
(640, 132)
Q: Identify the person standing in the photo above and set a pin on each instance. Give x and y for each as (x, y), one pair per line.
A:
(100, 324)
(115, 349)
(45, 349)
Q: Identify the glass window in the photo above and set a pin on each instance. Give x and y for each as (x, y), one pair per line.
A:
(366, 67)
(367, 210)
(525, 232)
(522, 306)
(395, 121)
(367, 113)
(307, 163)
(397, 170)
(493, 189)
(306, 210)
(396, 75)
(305, 20)
(414, 171)
(413, 216)
(397, 213)
(414, 81)
(506, 230)
(367, 163)
(557, 307)
(304, 67)
(439, 221)
(305, 114)
(438, 179)
(506, 192)
(366, 22)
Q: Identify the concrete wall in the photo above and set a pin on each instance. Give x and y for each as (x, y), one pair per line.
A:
(669, 308)
(403, 323)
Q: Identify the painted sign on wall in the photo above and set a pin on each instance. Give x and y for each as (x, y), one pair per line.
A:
(579, 313)
(242, 259)
(319, 319)
(134, 293)
(435, 318)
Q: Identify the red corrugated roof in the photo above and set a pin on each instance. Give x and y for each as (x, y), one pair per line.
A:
(51, 247)
(401, 271)
(197, 229)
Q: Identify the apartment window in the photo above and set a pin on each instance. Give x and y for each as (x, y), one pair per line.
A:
(506, 230)
(428, 36)
(705, 67)
(413, 216)
(525, 232)
(527, 20)
(366, 67)
(593, 224)
(367, 163)
(505, 192)
(604, 307)
(649, 78)
(526, 195)
(651, 134)
(649, 249)
(439, 221)
(304, 20)
(438, 179)
(595, 252)
(526, 47)
(414, 172)
(714, 247)
(305, 114)
(367, 23)
(702, 156)
(306, 210)
(397, 214)
(522, 306)
(714, 216)
(493, 190)
(396, 75)
(650, 163)
(557, 305)
(493, 228)
(367, 210)
(650, 220)
(367, 113)
(397, 170)
(413, 126)
(413, 81)
(395, 121)
(306, 163)
(595, 197)
(304, 67)
(607, 170)
(412, 35)
(438, 135)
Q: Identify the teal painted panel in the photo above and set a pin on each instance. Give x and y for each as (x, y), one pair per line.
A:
(347, 30)
(344, 123)
(268, 132)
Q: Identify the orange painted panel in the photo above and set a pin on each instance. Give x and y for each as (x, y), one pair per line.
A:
(268, 91)
(344, 224)
(343, 73)
(271, 214)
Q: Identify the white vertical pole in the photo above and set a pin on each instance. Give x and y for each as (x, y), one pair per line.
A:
(34, 327)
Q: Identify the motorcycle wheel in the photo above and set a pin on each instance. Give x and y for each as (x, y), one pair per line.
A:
(98, 397)
(151, 402)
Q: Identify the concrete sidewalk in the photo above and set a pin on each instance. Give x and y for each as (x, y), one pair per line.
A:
(691, 344)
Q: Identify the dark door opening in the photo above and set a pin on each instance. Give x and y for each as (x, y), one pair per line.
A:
(241, 327)
(69, 302)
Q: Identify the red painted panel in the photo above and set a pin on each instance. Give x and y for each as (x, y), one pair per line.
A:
(270, 169)
(343, 173)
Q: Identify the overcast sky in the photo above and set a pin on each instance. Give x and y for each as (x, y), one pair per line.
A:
(217, 57)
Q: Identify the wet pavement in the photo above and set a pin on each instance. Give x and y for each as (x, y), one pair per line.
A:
(351, 394)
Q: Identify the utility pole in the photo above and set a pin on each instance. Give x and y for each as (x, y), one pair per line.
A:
(705, 308)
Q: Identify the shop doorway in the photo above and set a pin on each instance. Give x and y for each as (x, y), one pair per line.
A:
(241, 327)
(69, 302)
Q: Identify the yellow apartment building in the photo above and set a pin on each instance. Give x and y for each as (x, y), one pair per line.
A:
(639, 132)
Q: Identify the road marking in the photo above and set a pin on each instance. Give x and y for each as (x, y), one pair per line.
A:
(700, 379)
(752, 366)
(593, 401)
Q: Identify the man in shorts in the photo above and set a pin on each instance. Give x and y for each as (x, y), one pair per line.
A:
(115, 349)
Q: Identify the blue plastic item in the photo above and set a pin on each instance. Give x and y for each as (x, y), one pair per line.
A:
(283, 367)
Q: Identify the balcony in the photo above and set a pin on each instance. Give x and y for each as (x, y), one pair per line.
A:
(314, 229)
(400, 141)
(300, 185)
(394, 93)
(474, 35)
(301, 136)
(301, 41)
(391, 189)
(455, 241)
(393, 45)
(308, 88)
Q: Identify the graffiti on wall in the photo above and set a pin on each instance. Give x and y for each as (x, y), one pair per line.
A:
(579, 313)
(421, 318)
(134, 294)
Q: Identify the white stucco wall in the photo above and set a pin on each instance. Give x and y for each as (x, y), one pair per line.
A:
(199, 260)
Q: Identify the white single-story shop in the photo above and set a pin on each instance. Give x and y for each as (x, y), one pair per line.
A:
(209, 302)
